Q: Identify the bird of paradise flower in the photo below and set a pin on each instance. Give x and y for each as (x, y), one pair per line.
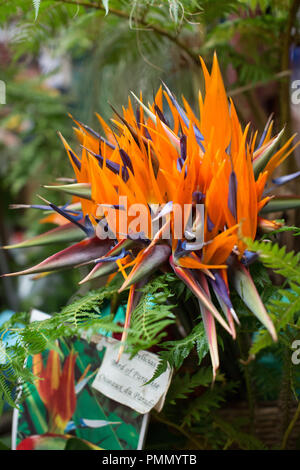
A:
(206, 160)
(57, 390)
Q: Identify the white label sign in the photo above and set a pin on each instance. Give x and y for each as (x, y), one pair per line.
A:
(38, 315)
(124, 381)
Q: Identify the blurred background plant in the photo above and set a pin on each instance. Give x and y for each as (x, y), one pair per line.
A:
(61, 56)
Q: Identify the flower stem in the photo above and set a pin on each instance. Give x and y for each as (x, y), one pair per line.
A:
(290, 427)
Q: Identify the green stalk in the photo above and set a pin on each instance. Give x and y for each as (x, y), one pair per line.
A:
(248, 382)
(290, 427)
(285, 394)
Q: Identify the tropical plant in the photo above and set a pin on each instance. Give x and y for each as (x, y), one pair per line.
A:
(167, 169)
(152, 154)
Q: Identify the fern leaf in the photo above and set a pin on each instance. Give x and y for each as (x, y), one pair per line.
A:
(244, 440)
(286, 304)
(275, 257)
(182, 386)
(179, 350)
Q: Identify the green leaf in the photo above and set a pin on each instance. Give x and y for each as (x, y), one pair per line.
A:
(209, 400)
(260, 162)
(282, 203)
(75, 189)
(76, 444)
(286, 305)
(245, 440)
(276, 258)
(177, 351)
(83, 315)
(63, 233)
(246, 289)
(80, 253)
(4, 446)
(182, 386)
(149, 320)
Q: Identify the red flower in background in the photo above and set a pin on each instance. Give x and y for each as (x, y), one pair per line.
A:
(56, 388)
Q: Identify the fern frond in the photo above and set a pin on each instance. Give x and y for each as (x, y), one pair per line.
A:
(286, 305)
(152, 316)
(149, 322)
(182, 386)
(179, 350)
(209, 400)
(234, 434)
(276, 258)
(175, 352)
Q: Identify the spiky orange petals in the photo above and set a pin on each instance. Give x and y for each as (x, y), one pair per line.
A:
(173, 181)
(193, 262)
(217, 252)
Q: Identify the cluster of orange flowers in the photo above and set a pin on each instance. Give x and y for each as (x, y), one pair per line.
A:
(207, 163)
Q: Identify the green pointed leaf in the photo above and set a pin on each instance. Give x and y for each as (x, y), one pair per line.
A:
(150, 261)
(211, 335)
(64, 233)
(79, 253)
(4, 446)
(101, 269)
(77, 189)
(174, 9)
(282, 203)
(245, 287)
(108, 267)
(146, 110)
(74, 443)
(260, 162)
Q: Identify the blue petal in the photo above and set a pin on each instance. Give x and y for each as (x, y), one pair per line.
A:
(198, 135)
(265, 132)
(249, 257)
(75, 159)
(121, 255)
(161, 115)
(126, 160)
(210, 224)
(286, 178)
(220, 287)
(71, 218)
(232, 194)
